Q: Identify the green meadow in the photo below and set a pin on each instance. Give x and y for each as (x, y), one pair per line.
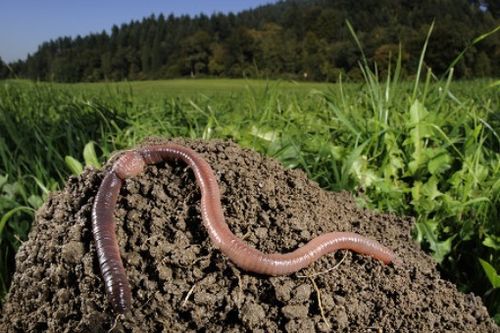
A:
(193, 87)
(428, 148)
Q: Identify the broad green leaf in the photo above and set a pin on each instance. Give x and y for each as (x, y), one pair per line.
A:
(417, 113)
(90, 156)
(428, 231)
(11, 190)
(74, 165)
(416, 193)
(420, 237)
(441, 249)
(35, 201)
(394, 161)
(288, 154)
(439, 164)
(264, 135)
(393, 165)
(491, 273)
(337, 152)
(494, 84)
(363, 174)
(424, 196)
(457, 179)
(451, 204)
(493, 242)
(430, 189)
(419, 131)
(352, 163)
(368, 178)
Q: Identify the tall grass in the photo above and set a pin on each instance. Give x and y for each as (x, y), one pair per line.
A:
(427, 148)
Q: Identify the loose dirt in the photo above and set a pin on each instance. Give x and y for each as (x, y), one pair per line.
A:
(181, 283)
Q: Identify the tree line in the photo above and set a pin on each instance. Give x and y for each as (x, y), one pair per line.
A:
(294, 39)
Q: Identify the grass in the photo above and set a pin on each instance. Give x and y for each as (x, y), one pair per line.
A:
(184, 88)
(427, 148)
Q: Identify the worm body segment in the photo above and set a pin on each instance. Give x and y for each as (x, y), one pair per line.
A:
(108, 253)
(247, 258)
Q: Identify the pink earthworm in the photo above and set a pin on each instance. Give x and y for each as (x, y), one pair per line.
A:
(133, 162)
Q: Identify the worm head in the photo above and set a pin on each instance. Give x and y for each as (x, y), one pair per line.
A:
(129, 164)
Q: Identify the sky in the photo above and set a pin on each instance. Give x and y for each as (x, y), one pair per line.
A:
(25, 24)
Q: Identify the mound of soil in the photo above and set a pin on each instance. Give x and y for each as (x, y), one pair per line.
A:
(181, 283)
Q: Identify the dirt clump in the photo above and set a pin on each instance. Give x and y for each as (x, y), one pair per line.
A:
(181, 283)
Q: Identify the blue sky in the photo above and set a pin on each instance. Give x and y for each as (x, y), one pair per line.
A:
(25, 24)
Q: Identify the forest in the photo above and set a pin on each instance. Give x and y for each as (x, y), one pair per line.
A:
(294, 39)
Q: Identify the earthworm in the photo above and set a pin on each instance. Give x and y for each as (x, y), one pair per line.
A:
(133, 162)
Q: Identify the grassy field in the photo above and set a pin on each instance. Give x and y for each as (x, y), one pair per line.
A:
(183, 88)
(427, 148)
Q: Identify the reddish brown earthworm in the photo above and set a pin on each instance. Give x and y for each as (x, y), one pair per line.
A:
(132, 163)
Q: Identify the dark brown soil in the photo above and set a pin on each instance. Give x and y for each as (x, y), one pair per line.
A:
(180, 283)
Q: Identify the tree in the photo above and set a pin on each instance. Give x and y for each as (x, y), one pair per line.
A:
(386, 55)
(482, 65)
(310, 56)
(493, 7)
(270, 49)
(285, 39)
(218, 59)
(241, 50)
(4, 70)
(196, 52)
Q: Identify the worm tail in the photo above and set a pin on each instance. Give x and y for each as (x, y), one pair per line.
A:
(103, 229)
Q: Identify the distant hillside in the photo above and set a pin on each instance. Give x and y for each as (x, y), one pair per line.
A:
(296, 39)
